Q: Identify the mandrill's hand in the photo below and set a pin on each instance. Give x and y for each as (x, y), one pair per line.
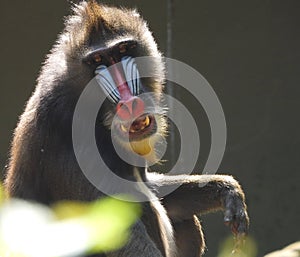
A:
(235, 211)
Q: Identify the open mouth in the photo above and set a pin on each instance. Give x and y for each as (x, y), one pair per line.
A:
(142, 127)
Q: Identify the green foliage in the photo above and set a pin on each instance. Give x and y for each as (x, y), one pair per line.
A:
(107, 220)
(66, 229)
(238, 247)
(2, 194)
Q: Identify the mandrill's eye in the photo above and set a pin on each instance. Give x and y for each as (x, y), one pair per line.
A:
(123, 48)
(126, 47)
(97, 59)
(94, 58)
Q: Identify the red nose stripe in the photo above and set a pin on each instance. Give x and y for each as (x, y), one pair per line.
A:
(130, 109)
(118, 76)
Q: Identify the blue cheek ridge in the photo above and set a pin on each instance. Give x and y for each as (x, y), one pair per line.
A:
(108, 85)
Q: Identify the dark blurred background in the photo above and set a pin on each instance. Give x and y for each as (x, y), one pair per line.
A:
(247, 50)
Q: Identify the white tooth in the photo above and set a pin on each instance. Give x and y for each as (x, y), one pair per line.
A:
(124, 129)
(147, 121)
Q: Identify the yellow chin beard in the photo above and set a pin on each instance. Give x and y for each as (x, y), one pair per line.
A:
(145, 148)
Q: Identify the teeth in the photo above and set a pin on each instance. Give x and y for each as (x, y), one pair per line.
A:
(146, 121)
(123, 128)
(143, 124)
(135, 130)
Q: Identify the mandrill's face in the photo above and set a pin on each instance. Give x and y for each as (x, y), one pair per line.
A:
(135, 114)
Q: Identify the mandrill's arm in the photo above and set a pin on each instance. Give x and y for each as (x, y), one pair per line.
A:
(198, 194)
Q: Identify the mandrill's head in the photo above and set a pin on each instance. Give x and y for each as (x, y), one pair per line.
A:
(105, 43)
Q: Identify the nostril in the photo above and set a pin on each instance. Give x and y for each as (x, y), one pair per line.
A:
(138, 107)
(130, 109)
(120, 106)
(123, 111)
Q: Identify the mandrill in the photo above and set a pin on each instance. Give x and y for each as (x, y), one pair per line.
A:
(104, 44)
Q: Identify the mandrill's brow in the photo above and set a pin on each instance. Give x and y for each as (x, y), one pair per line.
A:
(118, 47)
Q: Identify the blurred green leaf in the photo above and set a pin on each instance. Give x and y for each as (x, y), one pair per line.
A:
(67, 229)
(2, 195)
(241, 247)
(107, 220)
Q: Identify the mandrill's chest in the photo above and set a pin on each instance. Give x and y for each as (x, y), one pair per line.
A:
(159, 227)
